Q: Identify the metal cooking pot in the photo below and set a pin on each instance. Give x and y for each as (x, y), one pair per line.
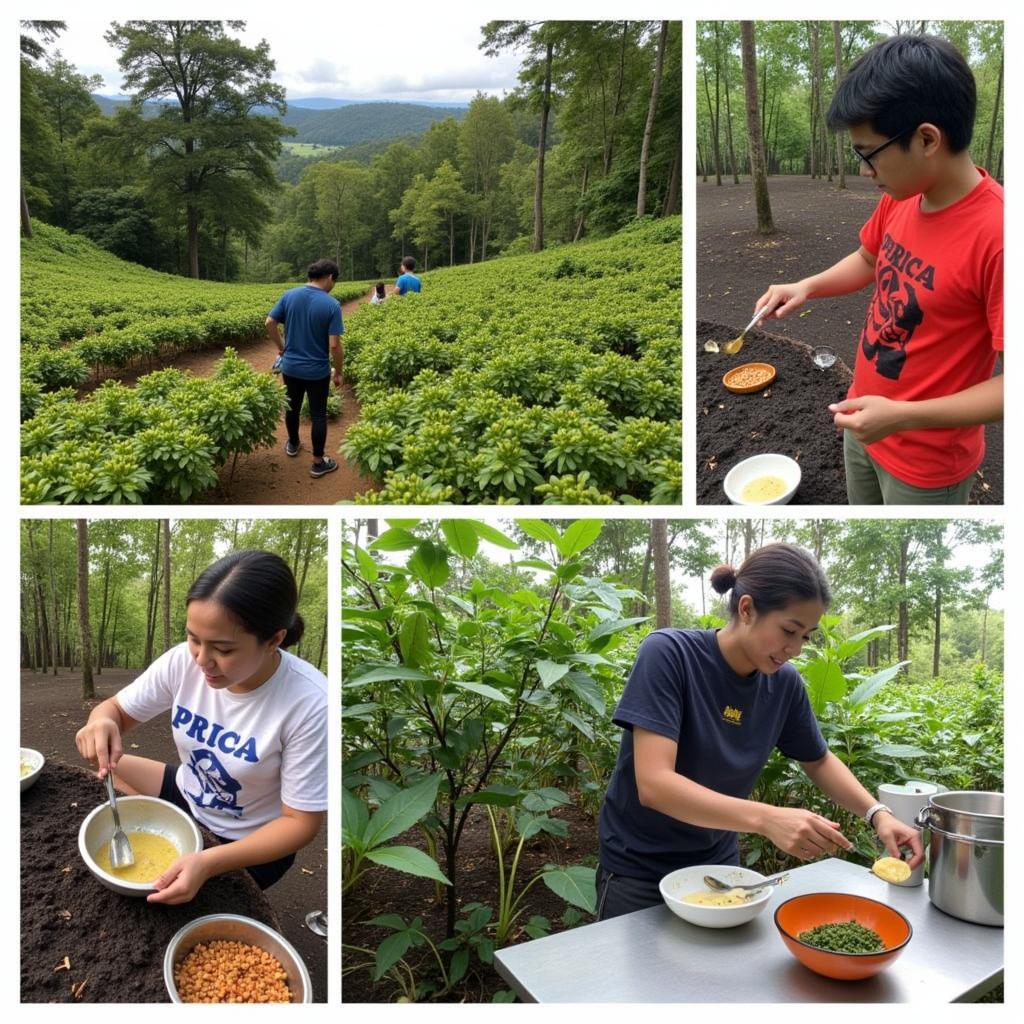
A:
(965, 851)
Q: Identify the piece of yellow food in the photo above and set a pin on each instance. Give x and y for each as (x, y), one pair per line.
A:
(891, 869)
(224, 971)
(154, 854)
(732, 898)
(764, 488)
(27, 768)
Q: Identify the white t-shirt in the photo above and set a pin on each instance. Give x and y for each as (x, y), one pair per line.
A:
(242, 754)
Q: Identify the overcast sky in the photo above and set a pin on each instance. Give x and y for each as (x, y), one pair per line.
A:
(423, 58)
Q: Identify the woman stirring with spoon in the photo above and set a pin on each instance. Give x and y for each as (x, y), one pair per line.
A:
(249, 721)
(701, 712)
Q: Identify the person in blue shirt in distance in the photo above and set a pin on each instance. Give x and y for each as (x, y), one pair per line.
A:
(313, 329)
(408, 281)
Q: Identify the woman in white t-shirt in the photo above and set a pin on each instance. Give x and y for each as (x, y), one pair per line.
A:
(249, 721)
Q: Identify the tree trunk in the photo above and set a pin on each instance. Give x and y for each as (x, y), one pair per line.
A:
(538, 192)
(578, 233)
(645, 149)
(662, 578)
(54, 632)
(713, 118)
(840, 135)
(937, 648)
(40, 599)
(645, 579)
(26, 221)
(151, 598)
(671, 205)
(84, 632)
(167, 584)
(192, 230)
(104, 611)
(826, 152)
(995, 118)
(765, 226)
(728, 123)
(903, 620)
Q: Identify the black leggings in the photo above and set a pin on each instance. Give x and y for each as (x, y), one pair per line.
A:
(317, 391)
(264, 875)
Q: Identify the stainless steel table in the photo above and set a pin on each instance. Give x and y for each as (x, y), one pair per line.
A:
(652, 956)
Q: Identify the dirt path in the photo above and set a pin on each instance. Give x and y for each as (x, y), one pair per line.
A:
(268, 476)
(817, 224)
(52, 711)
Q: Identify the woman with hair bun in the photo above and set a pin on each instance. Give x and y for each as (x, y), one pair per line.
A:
(249, 721)
(701, 712)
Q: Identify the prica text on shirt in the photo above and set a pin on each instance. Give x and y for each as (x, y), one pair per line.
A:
(218, 738)
(907, 263)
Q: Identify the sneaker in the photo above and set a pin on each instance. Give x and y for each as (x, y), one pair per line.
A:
(323, 467)
(292, 449)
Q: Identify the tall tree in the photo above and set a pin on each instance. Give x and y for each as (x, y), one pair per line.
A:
(486, 142)
(84, 630)
(645, 149)
(837, 45)
(662, 578)
(208, 88)
(167, 583)
(755, 140)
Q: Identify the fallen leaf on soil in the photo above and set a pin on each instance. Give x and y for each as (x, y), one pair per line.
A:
(76, 991)
(134, 746)
(306, 871)
(66, 870)
(64, 965)
(64, 915)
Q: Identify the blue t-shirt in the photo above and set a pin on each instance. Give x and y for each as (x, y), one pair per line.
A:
(310, 316)
(407, 283)
(725, 725)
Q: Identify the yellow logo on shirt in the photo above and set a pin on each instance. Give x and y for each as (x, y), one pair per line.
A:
(734, 716)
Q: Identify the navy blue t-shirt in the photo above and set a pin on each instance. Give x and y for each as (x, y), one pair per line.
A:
(725, 725)
(309, 316)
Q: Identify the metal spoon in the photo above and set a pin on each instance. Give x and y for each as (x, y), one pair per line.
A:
(316, 922)
(713, 883)
(730, 348)
(121, 855)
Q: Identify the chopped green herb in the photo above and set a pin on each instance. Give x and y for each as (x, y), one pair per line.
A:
(843, 937)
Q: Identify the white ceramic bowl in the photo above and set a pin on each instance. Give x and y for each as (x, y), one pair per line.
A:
(34, 758)
(138, 814)
(769, 464)
(677, 884)
(238, 929)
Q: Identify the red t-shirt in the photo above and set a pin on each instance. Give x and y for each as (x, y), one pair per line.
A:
(934, 324)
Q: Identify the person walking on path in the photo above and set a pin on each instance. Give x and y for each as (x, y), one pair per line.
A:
(248, 718)
(313, 329)
(408, 281)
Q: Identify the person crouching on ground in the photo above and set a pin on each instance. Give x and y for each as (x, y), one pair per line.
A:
(313, 328)
(379, 293)
(249, 721)
(923, 384)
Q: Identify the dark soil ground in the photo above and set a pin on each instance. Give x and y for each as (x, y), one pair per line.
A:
(52, 711)
(114, 945)
(382, 891)
(817, 225)
(733, 427)
(268, 476)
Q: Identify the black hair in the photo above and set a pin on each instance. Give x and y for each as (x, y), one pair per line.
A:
(379, 289)
(258, 589)
(774, 576)
(408, 262)
(905, 81)
(323, 268)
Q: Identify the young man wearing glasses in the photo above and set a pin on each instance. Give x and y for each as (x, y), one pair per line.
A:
(923, 384)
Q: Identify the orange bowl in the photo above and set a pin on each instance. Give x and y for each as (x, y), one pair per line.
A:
(800, 913)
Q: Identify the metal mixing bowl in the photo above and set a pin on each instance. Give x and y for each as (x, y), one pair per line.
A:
(236, 928)
(138, 814)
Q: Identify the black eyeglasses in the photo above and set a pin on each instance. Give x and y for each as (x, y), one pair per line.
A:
(866, 157)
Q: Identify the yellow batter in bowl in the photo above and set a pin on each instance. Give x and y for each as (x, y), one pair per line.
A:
(154, 854)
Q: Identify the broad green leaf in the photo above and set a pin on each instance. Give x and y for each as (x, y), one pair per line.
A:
(402, 811)
(498, 795)
(579, 536)
(389, 952)
(458, 966)
(574, 719)
(461, 536)
(359, 710)
(386, 673)
(367, 566)
(395, 540)
(410, 860)
(550, 671)
(539, 530)
(414, 639)
(610, 626)
(896, 716)
(461, 603)
(825, 682)
(546, 799)
(487, 532)
(482, 689)
(534, 563)
(405, 524)
(587, 690)
(429, 563)
(867, 689)
(393, 921)
(853, 644)
(354, 813)
(575, 884)
(899, 750)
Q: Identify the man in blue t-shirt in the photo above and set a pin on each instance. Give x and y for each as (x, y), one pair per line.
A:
(408, 281)
(313, 329)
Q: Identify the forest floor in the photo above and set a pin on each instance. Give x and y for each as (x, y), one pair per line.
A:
(383, 891)
(52, 711)
(816, 224)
